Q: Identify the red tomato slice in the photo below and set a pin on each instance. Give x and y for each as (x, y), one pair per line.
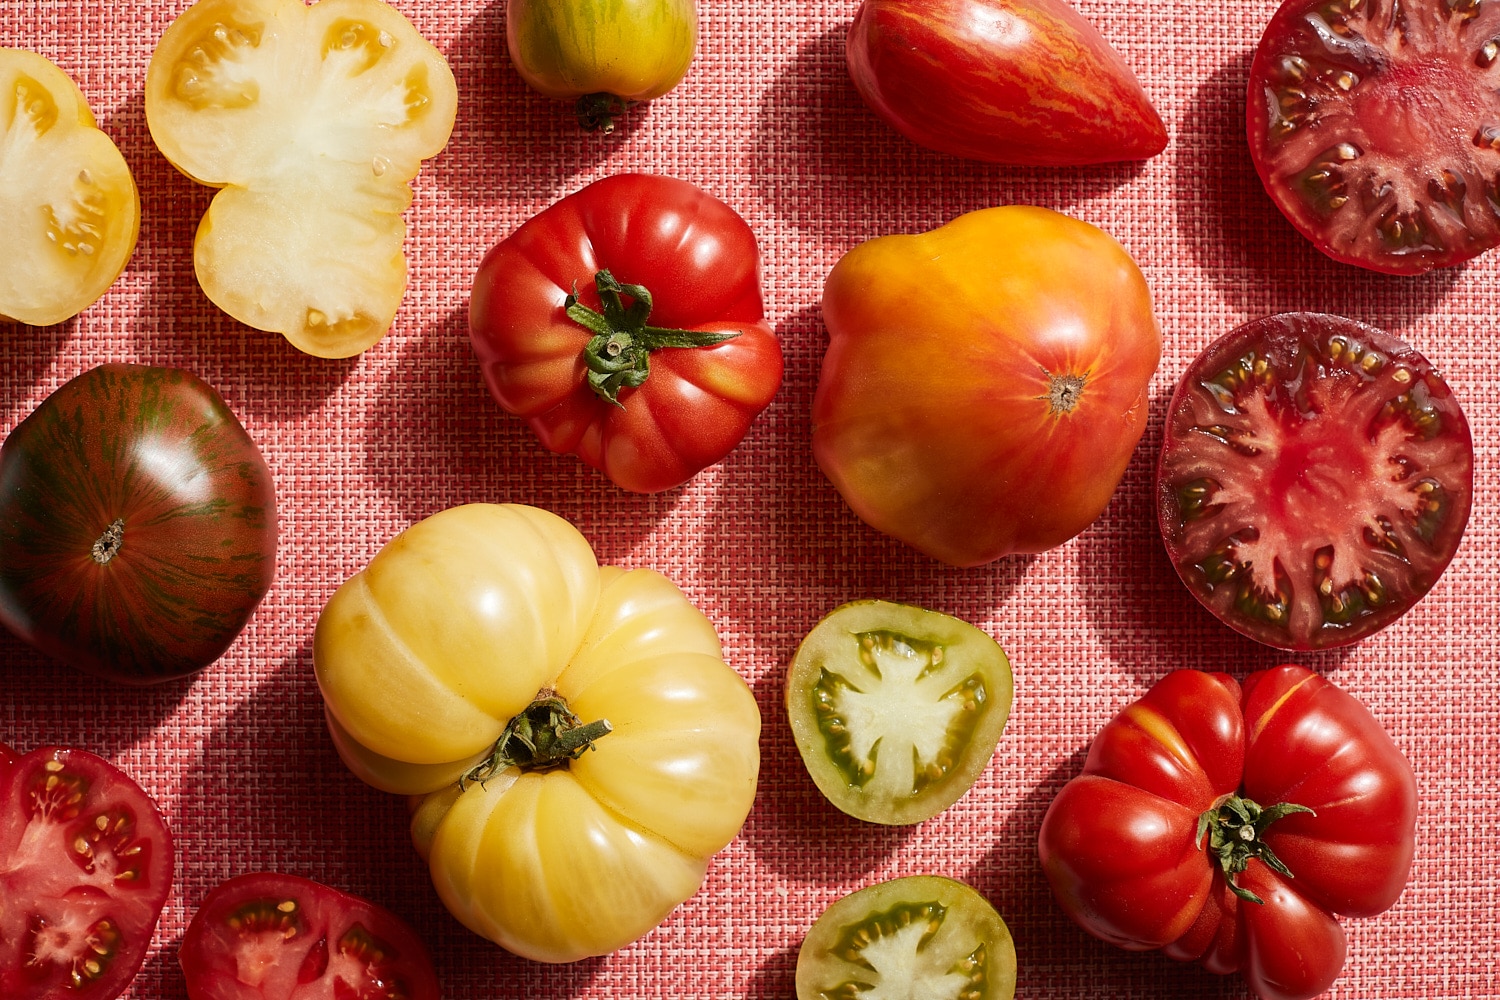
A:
(85, 867)
(267, 936)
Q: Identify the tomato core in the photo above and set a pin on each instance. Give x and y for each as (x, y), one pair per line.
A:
(108, 544)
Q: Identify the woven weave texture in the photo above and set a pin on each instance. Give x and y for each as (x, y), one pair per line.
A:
(767, 120)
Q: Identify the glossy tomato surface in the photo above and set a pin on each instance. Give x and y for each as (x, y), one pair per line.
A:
(1203, 794)
(137, 524)
(1315, 479)
(985, 383)
(497, 620)
(922, 936)
(269, 936)
(896, 710)
(67, 196)
(85, 868)
(1375, 128)
(311, 120)
(647, 413)
(1007, 81)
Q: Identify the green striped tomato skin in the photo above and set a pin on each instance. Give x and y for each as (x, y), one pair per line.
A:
(137, 524)
(634, 50)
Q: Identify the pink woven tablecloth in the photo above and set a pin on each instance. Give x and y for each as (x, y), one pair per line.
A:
(767, 120)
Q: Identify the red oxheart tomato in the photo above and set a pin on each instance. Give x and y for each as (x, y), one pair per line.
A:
(1314, 481)
(1376, 128)
(85, 867)
(1228, 826)
(559, 322)
(1008, 81)
(137, 524)
(267, 936)
(985, 383)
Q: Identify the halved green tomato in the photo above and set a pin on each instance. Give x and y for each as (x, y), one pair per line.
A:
(921, 936)
(896, 709)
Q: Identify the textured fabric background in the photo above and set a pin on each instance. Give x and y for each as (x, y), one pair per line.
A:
(768, 121)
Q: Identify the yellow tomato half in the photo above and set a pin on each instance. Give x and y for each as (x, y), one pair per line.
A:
(312, 120)
(67, 200)
(485, 620)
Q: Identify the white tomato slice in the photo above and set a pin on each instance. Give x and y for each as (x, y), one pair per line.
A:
(312, 121)
(68, 203)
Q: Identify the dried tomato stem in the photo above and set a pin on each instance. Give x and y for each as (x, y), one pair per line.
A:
(1234, 826)
(546, 735)
(597, 112)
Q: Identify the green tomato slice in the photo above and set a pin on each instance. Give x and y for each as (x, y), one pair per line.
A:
(921, 936)
(896, 709)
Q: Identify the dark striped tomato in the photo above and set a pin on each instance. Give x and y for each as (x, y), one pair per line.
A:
(137, 524)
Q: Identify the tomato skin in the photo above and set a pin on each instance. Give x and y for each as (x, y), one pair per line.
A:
(85, 868)
(158, 453)
(932, 415)
(1121, 847)
(270, 936)
(1026, 82)
(701, 264)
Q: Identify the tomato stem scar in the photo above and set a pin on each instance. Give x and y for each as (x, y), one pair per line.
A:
(107, 545)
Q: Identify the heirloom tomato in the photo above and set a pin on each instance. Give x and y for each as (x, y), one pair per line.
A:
(581, 746)
(137, 524)
(985, 383)
(1008, 81)
(559, 317)
(895, 709)
(1315, 479)
(267, 936)
(922, 936)
(69, 203)
(1375, 128)
(311, 121)
(85, 868)
(1229, 825)
(601, 54)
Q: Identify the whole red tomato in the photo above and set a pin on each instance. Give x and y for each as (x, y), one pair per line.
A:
(137, 524)
(985, 383)
(1008, 81)
(1228, 826)
(559, 320)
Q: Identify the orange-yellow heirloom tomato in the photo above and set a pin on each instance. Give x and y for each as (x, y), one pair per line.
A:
(985, 382)
(67, 199)
(580, 746)
(312, 121)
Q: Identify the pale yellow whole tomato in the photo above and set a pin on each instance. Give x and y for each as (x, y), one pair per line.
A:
(580, 745)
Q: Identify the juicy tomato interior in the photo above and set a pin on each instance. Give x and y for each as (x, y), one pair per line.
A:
(1376, 128)
(267, 936)
(87, 862)
(897, 709)
(1315, 479)
(70, 204)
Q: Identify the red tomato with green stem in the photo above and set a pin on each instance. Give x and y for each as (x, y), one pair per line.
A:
(85, 867)
(1228, 826)
(625, 323)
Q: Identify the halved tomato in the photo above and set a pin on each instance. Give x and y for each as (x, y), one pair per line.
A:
(920, 936)
(312, 120)
(71, 210)
(896, 709)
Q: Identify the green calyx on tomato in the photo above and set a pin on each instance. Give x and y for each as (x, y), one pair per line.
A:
(1234, 827)
(619, 354)
(597, 112)
(546, 735)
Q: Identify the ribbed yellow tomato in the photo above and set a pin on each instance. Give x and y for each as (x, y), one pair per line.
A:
(581, 746)
(67, 199)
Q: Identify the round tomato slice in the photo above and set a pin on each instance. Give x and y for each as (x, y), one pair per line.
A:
(921, 936)
(85, 868)
(70, 204)
(1314, 481)
(1376, 128)
(896, 709)
(268, 936)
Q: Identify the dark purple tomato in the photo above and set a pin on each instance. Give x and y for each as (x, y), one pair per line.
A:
(137, 524)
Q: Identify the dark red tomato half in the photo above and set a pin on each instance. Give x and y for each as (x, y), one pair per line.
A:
(268, 936)
(1315, 479)
(137, 524)
(1375, 128)
(85, 868)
